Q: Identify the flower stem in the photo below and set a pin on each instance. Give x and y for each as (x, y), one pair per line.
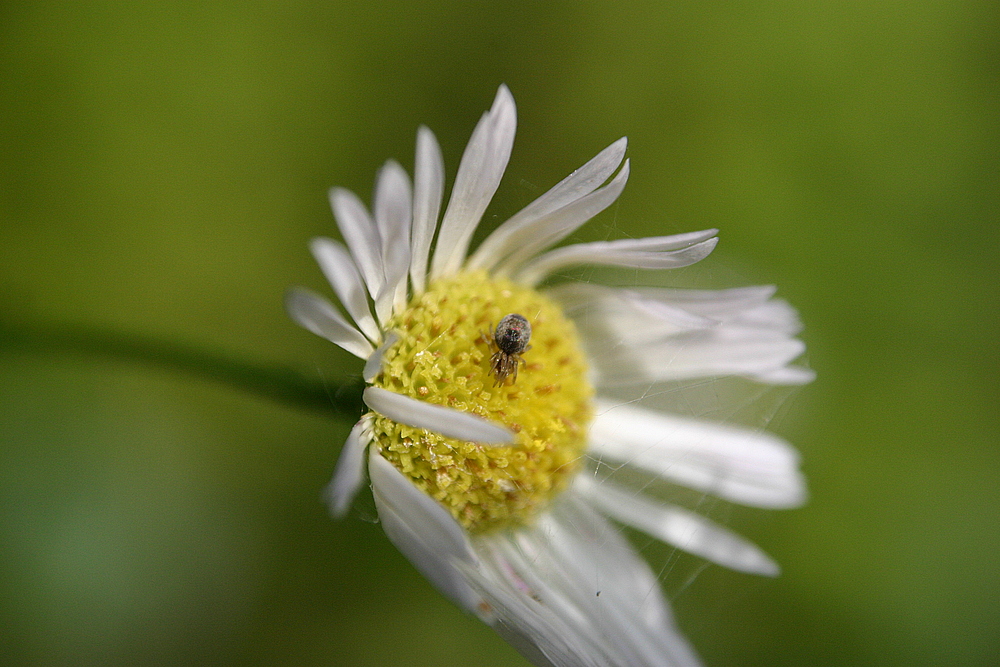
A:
(271, 381)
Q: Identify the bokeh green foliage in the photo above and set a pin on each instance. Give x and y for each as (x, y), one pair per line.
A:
(163, 165)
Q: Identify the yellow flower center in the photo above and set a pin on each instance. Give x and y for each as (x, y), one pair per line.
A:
(443, 357)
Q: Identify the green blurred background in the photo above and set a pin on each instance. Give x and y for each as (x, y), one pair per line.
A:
(162, 167)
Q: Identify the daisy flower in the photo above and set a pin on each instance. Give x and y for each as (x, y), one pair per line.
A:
(487, 443)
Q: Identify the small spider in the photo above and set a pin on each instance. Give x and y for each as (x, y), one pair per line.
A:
(511, 340)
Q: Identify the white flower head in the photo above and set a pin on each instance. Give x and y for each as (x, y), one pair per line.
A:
(482, 440)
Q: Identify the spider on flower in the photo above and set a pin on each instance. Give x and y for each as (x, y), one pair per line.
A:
(510, 340)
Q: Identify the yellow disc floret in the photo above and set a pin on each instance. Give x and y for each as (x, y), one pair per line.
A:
(443, 357)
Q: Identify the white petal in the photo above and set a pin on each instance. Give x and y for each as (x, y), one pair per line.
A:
(747, 307)
(393, 211)
(713, 353)
(350, 470)
(574, 590)
(787, 375)
(542, 634)
(523, 225)
(374, 364)
(660, 243)
(678, 527)
(437, 418)
(585, 544)
(755, 311)
(528, 644)
(361, 236)
(607, 313)
(751, 335)
(743, 466)
(649, 253)
(423, 531)
(642, 336)
(314, 313)
(428, 185)
(478, 177)
(775, 314)
(559, 224)
(717, 304)
(666, 313)
(339, 269)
